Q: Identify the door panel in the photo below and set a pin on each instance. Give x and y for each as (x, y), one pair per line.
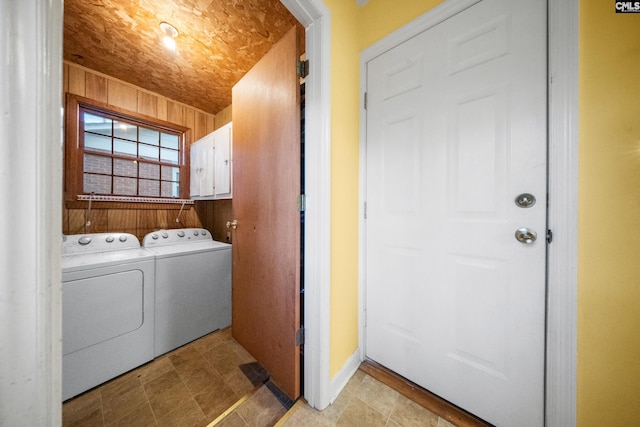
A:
(266, 244)
(456, 129)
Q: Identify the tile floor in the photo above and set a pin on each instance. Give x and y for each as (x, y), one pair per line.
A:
(195, 384)
(366, 401)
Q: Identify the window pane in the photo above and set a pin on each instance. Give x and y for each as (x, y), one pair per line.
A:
(97, 143)
(97, 164)
(125, 167)
(170, 189)
(148, 152)
(124, 186)
(169, 173)
(149, 188)
(97, 124)
(169, 156)
(169, 140)
(125, 130)
(150, 171)
(124, 147)
(149, 136)
(99, 184)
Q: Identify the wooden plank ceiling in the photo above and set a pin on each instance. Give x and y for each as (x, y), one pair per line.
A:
(218, 42)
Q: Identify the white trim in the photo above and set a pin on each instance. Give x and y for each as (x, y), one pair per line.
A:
(31, 168)
(342, 377)
(315, 17)
(562, 298)
(562, 267)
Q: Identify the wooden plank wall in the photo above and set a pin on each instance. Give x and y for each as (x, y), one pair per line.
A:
(137, 218)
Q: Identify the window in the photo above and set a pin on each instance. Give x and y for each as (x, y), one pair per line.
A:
(110, 152)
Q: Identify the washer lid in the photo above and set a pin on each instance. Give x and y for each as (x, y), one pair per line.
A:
(86, 261)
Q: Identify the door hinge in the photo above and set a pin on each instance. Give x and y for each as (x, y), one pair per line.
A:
(300, 336)
(302, 68)
(302, 203)
(365, 210)
(549, 236)
(366, 99)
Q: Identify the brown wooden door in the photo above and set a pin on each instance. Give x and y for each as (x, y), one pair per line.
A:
(266, 243)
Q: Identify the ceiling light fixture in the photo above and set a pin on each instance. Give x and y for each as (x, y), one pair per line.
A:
(170, 34)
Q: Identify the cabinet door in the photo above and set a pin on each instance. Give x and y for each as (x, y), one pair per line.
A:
(195, 167)
(223, 162)
(207, 170)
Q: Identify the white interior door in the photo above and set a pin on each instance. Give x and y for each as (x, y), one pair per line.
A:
(456, 130)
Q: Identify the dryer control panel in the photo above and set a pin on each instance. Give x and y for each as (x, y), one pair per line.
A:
(176, 237)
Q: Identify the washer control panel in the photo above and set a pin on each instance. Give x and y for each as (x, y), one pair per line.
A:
(98, 242)
(176, 237)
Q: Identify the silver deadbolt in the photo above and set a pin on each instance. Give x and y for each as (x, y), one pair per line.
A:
(526, 235)
(525, 200)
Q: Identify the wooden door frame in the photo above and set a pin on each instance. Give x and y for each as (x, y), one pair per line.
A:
(561, 333)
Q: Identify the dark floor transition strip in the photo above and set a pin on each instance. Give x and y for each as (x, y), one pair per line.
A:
(255, 373)
(282, 398)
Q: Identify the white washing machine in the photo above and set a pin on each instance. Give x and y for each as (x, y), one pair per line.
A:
(193, 285)
(107, 308)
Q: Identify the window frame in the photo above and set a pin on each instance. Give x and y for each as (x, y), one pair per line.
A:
(74, 149)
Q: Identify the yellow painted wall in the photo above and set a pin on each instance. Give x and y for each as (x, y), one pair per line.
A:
(609, 214)
(344, 180)
(382, 17)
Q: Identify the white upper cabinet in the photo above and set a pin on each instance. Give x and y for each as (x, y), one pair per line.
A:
(211, 165)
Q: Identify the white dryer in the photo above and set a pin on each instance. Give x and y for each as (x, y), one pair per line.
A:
(193, 285)
(107, 308)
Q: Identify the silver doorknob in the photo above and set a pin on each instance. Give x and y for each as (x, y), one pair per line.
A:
(526, 235)
(232, 224)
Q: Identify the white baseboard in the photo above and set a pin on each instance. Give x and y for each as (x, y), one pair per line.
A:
(342, 377)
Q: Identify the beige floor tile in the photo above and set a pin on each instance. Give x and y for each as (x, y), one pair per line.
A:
(122, 398)
(199, 378)
(333, 412)
(407, 413)
(141, 416)
(221, 350)
(354, 382)
(216, 399)
(232, 420)
(166, 393)
(306, 416)
(187, 414)
(239, 382)
(163, 383)
(262, 409)
(154, 369)
(84, 410)
(444, 423)
(358, 413)
(186, 358)
(377, 395)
